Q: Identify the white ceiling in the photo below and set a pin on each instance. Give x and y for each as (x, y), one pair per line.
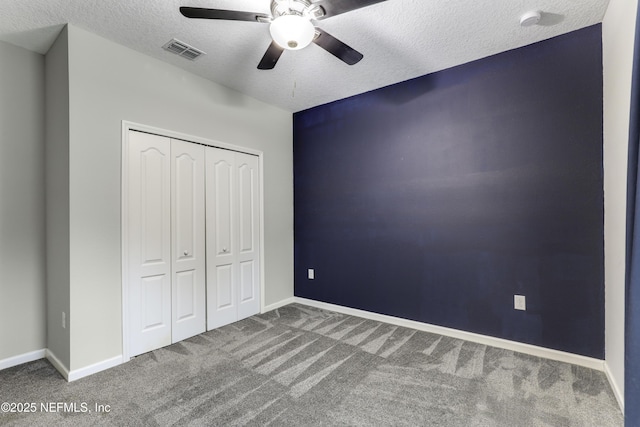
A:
(400, 39)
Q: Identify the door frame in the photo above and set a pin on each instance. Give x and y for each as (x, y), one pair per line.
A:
(128, 126)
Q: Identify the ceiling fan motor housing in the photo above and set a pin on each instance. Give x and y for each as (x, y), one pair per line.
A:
(302, 8)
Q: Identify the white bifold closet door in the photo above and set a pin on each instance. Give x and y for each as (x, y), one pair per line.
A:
(233, 236)
(149, 246)
(166, 246)
(188, 255)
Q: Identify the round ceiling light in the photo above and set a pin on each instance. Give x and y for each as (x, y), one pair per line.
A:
(292, 32)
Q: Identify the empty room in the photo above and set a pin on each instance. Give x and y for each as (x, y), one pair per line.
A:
(319, 212)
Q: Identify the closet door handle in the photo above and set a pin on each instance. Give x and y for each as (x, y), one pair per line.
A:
(186, 253)
(224, 249)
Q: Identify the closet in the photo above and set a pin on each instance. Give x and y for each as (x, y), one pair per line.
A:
(192, 248)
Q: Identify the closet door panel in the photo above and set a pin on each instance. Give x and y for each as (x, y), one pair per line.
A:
(225, 295)
(220, 193)
(223, 182)
(149, 242)
(155, 296)
(246, 208)
(188, 240)
(248, 259)
(247, 281)
(186, 296)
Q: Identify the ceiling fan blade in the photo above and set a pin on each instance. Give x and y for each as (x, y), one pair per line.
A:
(230, 15)
(270, 57)
(336, 7)
(337, 48)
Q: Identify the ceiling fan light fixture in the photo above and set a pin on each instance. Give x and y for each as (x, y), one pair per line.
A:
(292, 32)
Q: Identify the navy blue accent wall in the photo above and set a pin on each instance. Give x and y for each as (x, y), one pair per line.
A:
(439, 198)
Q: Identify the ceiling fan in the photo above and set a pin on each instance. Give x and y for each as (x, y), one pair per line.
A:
(291, 26)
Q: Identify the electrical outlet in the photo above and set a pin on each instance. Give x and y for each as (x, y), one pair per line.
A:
(519, 302)
(311, 274)
(64, 320)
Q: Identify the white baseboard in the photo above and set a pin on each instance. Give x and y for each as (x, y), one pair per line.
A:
(547, 353)
(76, 374)
(10, 362)
(533, 350)
(614, 386)
(278, 304)
(64, 371)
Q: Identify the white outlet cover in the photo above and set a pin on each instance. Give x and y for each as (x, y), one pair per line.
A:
(519, 302)
(311, 274)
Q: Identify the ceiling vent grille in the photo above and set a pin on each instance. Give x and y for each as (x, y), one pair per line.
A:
(183, 49)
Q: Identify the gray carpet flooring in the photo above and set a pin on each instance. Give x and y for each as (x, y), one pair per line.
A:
(301, 366)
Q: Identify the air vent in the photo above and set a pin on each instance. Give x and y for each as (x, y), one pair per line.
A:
(183, 49)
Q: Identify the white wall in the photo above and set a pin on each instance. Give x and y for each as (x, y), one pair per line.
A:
(57, 198)
(22, 254)
(618, 30)
(110, 83)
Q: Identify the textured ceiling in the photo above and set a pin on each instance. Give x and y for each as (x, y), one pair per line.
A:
(400, 39)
